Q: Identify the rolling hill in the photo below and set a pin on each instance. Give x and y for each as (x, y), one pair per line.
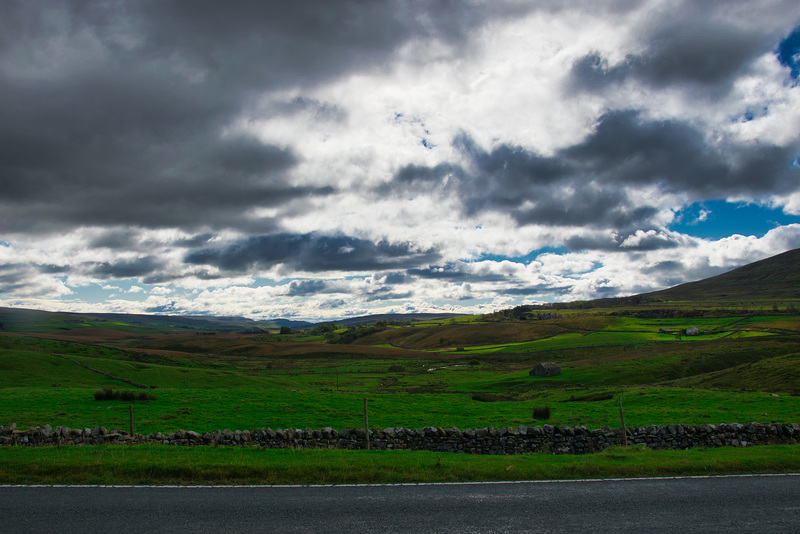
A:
(775, 278)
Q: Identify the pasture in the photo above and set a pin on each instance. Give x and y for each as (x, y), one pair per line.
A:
(450, 374)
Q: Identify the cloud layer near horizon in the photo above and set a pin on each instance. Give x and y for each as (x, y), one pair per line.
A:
(324, 159)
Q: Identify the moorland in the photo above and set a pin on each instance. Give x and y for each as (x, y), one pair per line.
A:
(719, 350)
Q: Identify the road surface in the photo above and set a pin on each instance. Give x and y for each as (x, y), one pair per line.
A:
(695, 504)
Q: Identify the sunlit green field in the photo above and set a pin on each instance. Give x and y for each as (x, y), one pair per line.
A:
(746, 369)
(209, 409)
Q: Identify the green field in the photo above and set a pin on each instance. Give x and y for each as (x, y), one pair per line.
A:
(205, 383)
(162, 464)
(449, 373)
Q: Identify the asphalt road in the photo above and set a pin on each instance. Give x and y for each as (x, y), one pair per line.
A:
(714, 504)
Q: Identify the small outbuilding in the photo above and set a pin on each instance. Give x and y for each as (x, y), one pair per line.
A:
(545, 369)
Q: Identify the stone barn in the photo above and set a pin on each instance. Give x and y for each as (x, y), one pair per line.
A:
(545, 369)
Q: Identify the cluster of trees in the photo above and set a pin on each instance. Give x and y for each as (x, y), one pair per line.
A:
(525, 312)
(332, 335)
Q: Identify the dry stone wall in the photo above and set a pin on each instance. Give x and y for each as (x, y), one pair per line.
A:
(506, 440)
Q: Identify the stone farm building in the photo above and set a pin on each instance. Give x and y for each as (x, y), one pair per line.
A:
(545, 369)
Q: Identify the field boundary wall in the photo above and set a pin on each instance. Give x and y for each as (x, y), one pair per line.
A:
(507, 440)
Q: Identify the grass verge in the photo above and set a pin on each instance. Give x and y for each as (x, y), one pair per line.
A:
(161, 464)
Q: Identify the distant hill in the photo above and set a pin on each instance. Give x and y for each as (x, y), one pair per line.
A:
(19, 319)
(392, 318)
(24, 320)
(286, 322)
(773, 279)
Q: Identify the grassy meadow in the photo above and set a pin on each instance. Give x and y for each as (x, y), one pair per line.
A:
(465, 372)
(162, 464)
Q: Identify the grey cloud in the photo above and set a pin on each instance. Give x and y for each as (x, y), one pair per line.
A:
(13, 277)
(194, 241)
(584, 242)
(115, 239)
(114, 111)
(301, 288)
(53, 269)
(163, 277)
(666, 273)
(386, 293)
(333, 304)
(706, 55)
(313, 253)
(591, 205)
(674, 272)
(321, 111)
(395, 278)
(614, 243)
(127, 268)
(455, 272)
(665, 267)
(591, 182)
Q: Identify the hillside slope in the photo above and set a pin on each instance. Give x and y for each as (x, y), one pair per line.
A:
(773, 278)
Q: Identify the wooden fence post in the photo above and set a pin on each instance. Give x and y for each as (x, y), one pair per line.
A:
(366, 423)
(622, 421)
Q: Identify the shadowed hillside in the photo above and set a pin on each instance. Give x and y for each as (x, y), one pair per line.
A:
(775, 278)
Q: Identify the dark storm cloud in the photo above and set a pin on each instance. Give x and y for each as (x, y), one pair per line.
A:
(386, 293)
(687, 53)
(312, 253)
(321, 111)
(115, 239)
(395, 278)
(457, 272)
(593, 183)
(114, 112)
(302, 288)
(126, 268)
(53, 269)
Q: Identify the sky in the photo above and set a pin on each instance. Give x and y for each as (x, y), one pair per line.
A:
(317, 160)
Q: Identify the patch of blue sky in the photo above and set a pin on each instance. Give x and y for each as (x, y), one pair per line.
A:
(750, 114)
(789, 52)
(717, 219)
(269, 282)
(125, 289)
